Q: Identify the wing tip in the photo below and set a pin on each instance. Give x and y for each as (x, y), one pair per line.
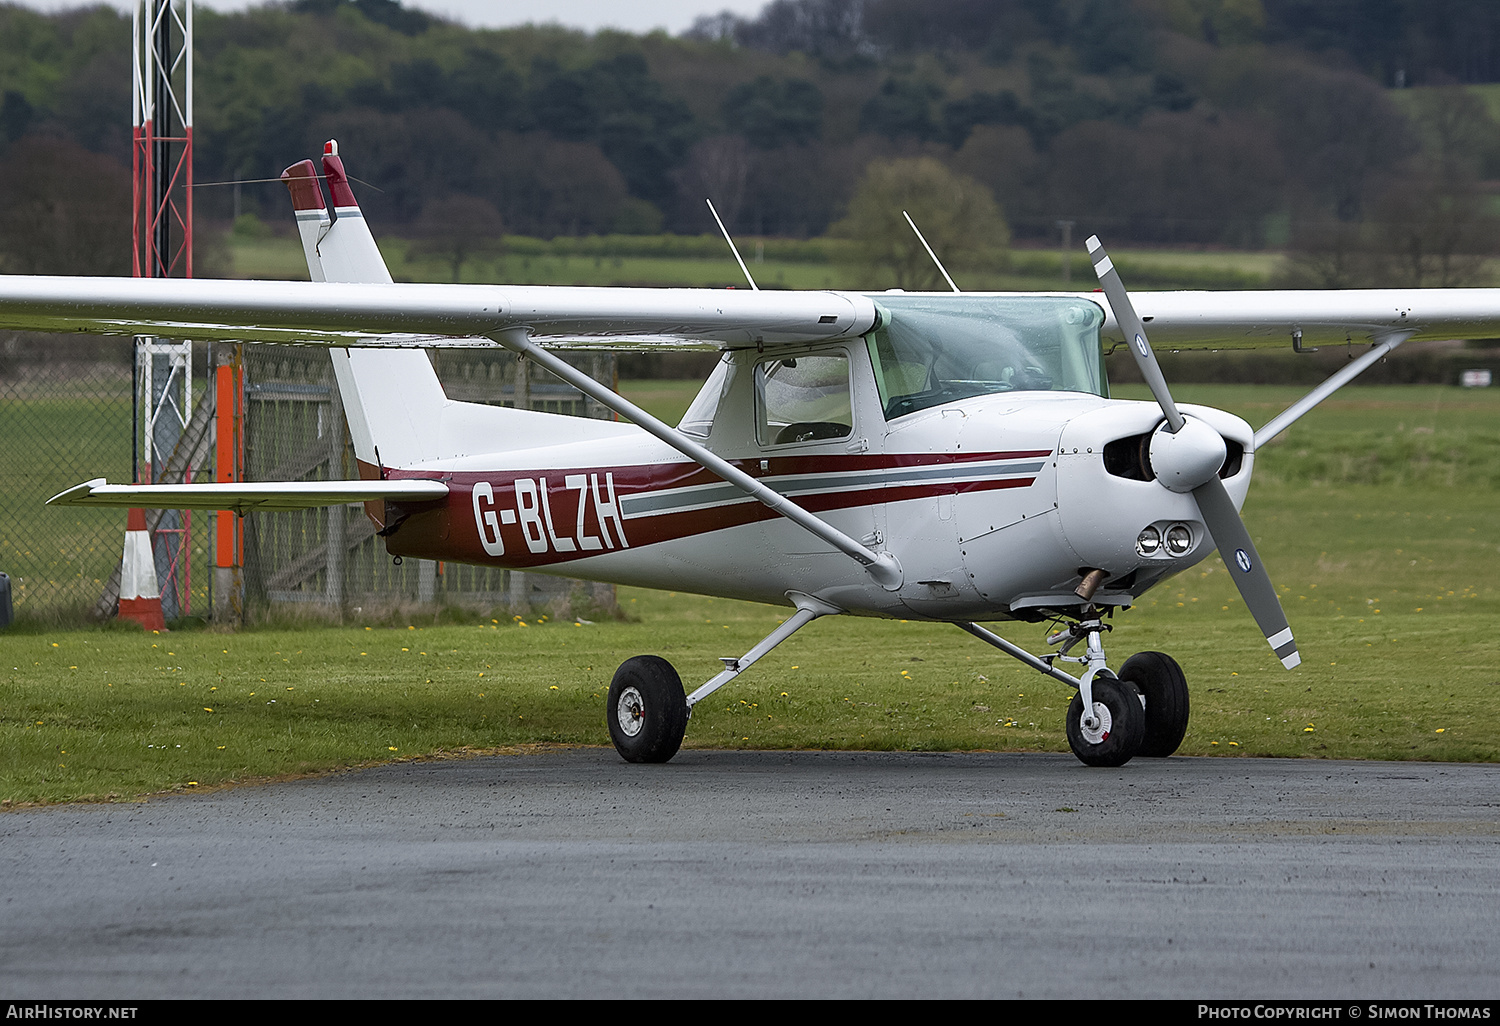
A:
(77, 494)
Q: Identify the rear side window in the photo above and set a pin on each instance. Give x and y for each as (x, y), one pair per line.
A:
(699, 418)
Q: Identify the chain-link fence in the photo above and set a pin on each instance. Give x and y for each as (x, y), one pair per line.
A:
(65, 417)
(295, 430)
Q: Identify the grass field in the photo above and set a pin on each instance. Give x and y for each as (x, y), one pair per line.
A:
(1387, 558)
(816, 264)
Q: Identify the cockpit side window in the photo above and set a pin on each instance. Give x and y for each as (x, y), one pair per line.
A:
(803, 399)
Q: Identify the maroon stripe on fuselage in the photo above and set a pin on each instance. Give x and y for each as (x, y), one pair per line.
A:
(515, 525)
(686, 475)
(670, 526)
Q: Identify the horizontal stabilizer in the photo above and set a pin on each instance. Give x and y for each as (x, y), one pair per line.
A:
(242, 497)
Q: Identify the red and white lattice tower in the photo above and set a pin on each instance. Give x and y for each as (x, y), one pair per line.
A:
(162, 130)
(162, 223)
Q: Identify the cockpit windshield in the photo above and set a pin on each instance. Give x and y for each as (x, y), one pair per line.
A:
(931, 350)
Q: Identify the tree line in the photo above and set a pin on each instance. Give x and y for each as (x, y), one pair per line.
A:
(1350, 131)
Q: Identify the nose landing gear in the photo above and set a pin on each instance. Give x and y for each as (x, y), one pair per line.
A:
(1165, 692)
(1114, 731)
(1112, 719)
(1106, 722)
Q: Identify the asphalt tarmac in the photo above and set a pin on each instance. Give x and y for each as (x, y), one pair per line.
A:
(568, 873)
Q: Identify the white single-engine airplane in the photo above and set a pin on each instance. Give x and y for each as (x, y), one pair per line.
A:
(947, 457)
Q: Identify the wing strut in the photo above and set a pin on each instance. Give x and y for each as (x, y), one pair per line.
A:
(882, 566)
(1337, 380)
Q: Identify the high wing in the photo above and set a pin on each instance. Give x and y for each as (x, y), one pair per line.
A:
(407, 315)
(1245, 320)
(244, 497)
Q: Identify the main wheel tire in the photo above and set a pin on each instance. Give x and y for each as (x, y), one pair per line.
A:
(1165, 688)
(647, 711)
(1122, 724)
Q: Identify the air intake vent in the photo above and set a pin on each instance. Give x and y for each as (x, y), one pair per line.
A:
(1130, 458)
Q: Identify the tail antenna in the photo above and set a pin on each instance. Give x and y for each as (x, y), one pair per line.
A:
(745, 270)
(923, 241)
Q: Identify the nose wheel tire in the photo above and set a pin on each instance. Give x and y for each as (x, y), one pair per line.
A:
(1120, 726)
(1165, 688)
(646, 710)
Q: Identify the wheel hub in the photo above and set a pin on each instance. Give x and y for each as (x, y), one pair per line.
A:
(1099, 732)
(630, 710)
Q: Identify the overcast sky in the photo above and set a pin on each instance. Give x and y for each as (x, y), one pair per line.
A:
(637, 16)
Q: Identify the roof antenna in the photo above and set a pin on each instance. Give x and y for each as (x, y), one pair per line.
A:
(732, 248)
(930, 253)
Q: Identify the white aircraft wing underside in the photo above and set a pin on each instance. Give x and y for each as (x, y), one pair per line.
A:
(1246, 320)
(426, 315)
(407, 315)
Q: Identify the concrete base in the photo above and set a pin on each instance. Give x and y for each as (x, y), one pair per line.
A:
(229, 596)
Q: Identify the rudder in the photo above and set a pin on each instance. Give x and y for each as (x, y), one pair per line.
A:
(392, 398)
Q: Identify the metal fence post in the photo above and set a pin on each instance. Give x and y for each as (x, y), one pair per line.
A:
(229, 449)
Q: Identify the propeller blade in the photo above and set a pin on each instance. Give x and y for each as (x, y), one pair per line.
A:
(1135, 331)
(1214, 504)
(1250, 577)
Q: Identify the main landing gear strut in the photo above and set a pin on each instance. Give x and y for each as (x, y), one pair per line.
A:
(648, 712)
(1111, 719)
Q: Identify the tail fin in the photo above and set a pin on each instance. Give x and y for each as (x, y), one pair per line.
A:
(312, 213)
(348, 250)
(398, 415)
(392, 398)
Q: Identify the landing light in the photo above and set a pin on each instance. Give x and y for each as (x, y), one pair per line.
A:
(1179, 539)
(1148, 541)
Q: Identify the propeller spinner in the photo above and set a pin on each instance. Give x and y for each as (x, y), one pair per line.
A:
(1186, 455)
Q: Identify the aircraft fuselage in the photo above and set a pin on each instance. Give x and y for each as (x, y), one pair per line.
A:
(991, 504)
